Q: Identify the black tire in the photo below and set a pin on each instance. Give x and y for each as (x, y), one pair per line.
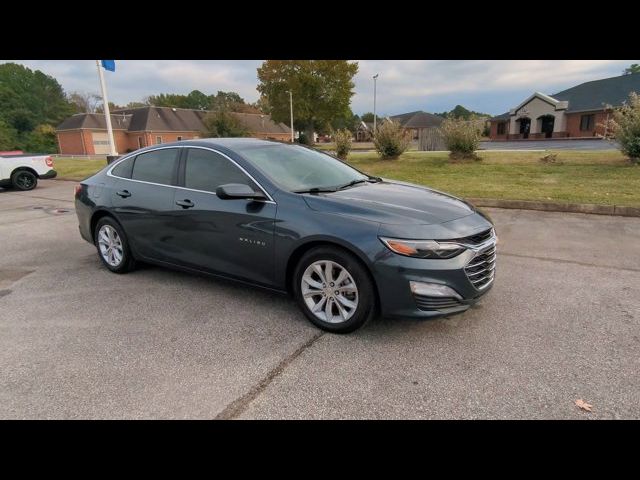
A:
(127, 262)
(24, 180)
(366, 305)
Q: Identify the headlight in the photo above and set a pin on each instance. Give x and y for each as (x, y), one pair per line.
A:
(422, 248)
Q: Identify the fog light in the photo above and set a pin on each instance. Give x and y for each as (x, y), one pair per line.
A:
(433, 290)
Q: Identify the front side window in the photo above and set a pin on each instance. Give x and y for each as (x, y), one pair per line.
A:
(206, 170)
(296, 168)
(157, 166)
(586, 122)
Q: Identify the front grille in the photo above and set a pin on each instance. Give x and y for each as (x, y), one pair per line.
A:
(481, 268)
(476, 239)
(436, 303)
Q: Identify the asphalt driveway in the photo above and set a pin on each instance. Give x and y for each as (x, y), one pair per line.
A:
(562, 323)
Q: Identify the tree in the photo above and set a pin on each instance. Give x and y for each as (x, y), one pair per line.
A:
(8, 136)
(222, 123)
(85, 102)
(461, 112)
(634, 68)
(322, 91)
(625, 127)
(30, 98)
(368, 118)
(42, 140)
(112, 107)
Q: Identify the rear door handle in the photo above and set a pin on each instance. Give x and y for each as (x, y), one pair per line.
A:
(185, 203)
(124, 193)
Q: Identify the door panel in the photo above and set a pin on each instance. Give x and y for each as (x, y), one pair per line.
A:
(232, 237)
(145, 209)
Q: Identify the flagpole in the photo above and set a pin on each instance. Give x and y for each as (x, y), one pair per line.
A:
(107, 115)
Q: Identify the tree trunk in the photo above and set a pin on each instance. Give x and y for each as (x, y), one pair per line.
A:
(308, 132)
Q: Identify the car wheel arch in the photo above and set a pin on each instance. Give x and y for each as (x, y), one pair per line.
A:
(24, 169)
(300, 250)
(95, 218)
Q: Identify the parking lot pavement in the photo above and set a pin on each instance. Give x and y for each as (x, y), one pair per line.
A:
(76, 341)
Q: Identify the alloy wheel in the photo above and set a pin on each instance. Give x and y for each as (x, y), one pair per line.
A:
(110, 245)
(329, 291)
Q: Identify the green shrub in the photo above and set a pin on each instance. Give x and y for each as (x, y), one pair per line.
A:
(391, 140)
(343, 143)
(222, 123)
(625, 127)
(461, 137)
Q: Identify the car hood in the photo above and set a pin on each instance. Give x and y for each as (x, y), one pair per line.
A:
(391, 202)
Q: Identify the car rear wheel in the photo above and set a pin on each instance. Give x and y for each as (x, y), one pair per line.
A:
(112, 245)
(334, 290)
(24, 180)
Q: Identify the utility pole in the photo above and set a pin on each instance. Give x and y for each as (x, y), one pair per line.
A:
(375, 77)
(291, 108)
(107, 115)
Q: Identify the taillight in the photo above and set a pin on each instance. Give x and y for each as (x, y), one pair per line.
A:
(49, 161)
(78, 189)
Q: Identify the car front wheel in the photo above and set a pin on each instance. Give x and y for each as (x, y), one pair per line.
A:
(334, 290)
(112, 245)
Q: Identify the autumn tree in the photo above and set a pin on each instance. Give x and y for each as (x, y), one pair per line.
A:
(85, 102)
(322, 91)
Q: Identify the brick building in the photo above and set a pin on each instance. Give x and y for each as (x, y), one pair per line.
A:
(86, 133)
(572, 113)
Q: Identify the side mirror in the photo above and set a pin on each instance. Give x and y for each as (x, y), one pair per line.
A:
(234, 191)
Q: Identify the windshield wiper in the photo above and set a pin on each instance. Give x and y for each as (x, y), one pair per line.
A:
(374, 179)
(352, 183)
(316, 190)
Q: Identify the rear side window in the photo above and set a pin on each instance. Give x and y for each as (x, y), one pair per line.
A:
(124, 168)
(207, 170)
(156, 167)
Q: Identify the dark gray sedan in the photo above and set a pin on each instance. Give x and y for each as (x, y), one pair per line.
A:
(345, 244)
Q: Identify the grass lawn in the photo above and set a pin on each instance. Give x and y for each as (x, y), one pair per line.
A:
(76, 168)
(603, 177)
(600, 177)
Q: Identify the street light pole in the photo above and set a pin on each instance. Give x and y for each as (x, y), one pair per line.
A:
(375, 77)
(291, 108)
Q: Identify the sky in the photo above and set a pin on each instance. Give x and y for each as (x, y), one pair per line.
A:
(488, 86)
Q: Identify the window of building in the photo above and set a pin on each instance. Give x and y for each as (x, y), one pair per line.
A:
(207, 170)
(140, 142)
(587, 122)
(502, 128)
(156, 167)
(179, 138)
(158, 140)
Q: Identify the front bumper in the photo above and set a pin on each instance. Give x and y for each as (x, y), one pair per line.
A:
(50, 174)
(394, 274)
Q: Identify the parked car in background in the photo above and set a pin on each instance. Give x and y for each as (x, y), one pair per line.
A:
(22, 170)
(289, 218)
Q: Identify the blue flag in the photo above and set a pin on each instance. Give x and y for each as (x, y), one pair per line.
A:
(109, 65)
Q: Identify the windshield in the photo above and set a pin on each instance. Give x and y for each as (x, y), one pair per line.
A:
(299, 169)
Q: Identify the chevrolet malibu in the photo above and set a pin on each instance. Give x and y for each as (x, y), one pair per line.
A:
(284, 217)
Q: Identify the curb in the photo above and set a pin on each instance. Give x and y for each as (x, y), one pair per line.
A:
(617, 210)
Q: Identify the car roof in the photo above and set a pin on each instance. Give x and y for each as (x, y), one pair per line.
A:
(229, 143)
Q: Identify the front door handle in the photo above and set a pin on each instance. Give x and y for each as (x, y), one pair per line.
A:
(124, 193)
(185, 203)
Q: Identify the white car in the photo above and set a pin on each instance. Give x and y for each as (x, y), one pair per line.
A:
(22, 171)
